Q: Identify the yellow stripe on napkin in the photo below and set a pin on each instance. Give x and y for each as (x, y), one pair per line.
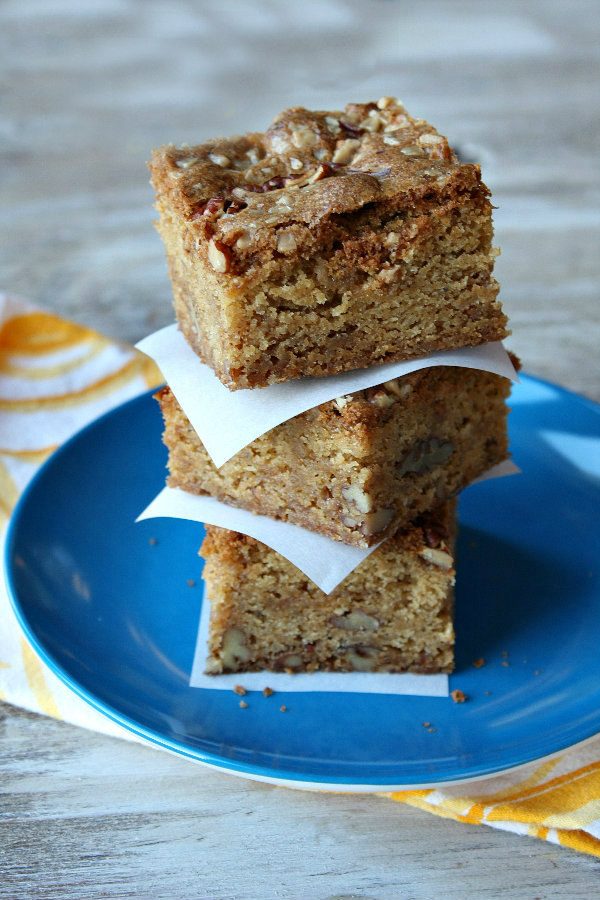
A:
(564, 810)
(36, 679)
(55, 377)
(39, 332)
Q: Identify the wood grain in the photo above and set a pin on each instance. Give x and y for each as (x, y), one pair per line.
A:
(88, 89)
(90, 817)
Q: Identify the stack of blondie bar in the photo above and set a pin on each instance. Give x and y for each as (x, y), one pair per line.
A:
(331, 242)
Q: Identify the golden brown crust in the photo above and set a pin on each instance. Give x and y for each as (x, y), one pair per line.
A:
(261, 202)
(331, 242)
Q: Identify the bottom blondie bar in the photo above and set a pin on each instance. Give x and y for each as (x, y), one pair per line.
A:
(393, 613)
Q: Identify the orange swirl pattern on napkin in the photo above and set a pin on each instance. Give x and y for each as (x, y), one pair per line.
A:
(55, 377)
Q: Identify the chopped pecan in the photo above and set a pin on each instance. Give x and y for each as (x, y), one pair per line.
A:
(273, 184)
(433, 536)
(213, 207)
(234, 206)
(219, 256)
(349, 128)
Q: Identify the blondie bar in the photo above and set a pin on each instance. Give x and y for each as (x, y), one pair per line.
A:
(333, 241)
(393, 613)
(360, 466)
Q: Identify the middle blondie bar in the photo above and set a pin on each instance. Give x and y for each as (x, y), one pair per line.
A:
(359, 467)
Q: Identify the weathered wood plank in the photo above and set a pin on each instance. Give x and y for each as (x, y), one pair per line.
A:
(88, 89)
(84, 816)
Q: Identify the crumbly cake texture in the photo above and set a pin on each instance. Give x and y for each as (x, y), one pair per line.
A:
(361, 466)
(393, 613)
(333, 241)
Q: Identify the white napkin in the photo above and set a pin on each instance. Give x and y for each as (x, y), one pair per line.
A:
(325, 561)
(227, 421)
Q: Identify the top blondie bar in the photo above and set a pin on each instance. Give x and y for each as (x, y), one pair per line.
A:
(332, 241)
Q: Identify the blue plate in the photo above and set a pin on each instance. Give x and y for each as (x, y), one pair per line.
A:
(111, 613)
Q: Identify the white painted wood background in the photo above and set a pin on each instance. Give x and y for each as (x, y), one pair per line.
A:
(87, 89)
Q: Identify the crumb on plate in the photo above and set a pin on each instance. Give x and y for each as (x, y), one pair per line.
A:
(458, 696)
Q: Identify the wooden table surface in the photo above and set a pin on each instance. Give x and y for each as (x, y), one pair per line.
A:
(88, 88)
